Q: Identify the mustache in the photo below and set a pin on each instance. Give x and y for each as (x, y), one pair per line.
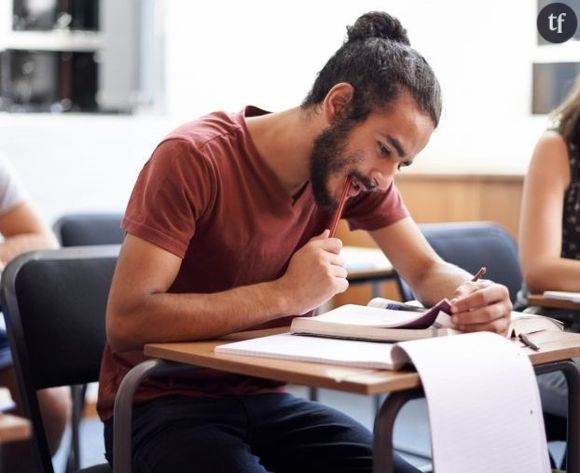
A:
(367, 184)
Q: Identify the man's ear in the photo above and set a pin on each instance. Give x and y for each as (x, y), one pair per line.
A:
(337, 101)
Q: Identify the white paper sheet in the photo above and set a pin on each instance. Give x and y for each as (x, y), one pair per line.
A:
(484, 407)
(319, 350)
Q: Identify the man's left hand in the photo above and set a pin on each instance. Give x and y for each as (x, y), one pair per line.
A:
(481, 305)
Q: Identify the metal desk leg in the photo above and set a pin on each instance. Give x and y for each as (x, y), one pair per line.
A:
(383, 430)
(376, 289)
(123, 410)
(312, 394)
(571, 372)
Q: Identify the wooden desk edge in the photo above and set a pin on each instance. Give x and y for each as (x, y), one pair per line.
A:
(539, 300)
(554, 346)
(343, 378)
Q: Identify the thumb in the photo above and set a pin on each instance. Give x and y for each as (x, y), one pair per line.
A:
(324, 235)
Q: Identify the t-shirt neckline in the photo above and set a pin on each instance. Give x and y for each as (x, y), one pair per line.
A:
(277, 189)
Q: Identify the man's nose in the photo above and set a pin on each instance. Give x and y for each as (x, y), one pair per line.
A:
(382, 178)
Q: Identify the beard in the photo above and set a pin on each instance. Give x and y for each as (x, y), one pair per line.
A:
(328, 157)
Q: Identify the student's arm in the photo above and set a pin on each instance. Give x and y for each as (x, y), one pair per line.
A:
(480, 305)
(140, 310)
(541, 219)
(23, 231)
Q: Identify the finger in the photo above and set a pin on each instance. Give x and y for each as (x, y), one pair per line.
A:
(335, 259)
(462, 291)
(338, 271)
(499, 326)
(333, 245)
(481, 315)
(341, 285)
(469, 287)
(484, 295)
(323, 236)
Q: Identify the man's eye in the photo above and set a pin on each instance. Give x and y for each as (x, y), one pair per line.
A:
(404, 164)
(384, 150)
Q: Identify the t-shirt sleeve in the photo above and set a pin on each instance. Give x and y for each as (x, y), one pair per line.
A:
(373, 210)
(12, 192)
(171, 194)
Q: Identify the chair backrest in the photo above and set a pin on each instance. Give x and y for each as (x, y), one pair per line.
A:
(471, 245)
(89, 229)
(54, 303)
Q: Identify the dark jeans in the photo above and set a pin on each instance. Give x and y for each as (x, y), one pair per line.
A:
(258, 433)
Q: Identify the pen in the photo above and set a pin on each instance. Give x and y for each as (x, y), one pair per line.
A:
(527, 342)
(479, 274)
(341, 203)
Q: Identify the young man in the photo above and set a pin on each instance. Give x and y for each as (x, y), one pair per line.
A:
(22, 230)
(227, 230)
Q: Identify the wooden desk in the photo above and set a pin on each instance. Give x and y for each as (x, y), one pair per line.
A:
(13, 428)
(555, 347)
(539, 300)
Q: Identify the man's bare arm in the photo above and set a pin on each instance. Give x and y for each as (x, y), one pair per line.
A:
(140, 310)
(481, 305)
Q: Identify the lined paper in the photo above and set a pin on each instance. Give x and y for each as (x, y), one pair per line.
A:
(484, 408)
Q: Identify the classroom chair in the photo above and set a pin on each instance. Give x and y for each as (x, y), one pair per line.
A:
(471, 245)
(83, 229)
(54, 303)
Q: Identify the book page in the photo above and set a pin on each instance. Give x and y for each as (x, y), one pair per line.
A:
(522, 322)
(484, 408)
(322, 350)
(368, 316)
(388, 318)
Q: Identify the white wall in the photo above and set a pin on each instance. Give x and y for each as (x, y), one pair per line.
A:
(226, 54)
(73, 163)
(222, 54)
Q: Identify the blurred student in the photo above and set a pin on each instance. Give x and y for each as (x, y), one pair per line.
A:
(550, 231)
(22, 230)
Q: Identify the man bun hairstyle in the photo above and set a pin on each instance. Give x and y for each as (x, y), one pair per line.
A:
(378, 25)
(377, 60)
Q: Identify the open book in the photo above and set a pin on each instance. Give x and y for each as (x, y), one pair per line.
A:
(348, 335)
(380, 320)
(390, 321)
(523, 323)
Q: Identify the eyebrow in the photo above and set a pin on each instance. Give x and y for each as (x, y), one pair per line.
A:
(395, 143)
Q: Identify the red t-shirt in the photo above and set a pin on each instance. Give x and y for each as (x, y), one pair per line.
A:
(208, 197)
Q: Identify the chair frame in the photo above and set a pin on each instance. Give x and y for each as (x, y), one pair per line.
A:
(85, 229)
(15, 329)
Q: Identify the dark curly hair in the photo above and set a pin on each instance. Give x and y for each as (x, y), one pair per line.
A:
(378, 61)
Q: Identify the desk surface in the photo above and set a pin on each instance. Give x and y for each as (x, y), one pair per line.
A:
(13, 428)
(539, 300)
(366, 264)
(554, 346)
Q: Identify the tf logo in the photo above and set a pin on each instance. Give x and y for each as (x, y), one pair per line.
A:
(557, 22)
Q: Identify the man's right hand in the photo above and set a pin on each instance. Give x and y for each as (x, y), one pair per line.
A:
(315, 274)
